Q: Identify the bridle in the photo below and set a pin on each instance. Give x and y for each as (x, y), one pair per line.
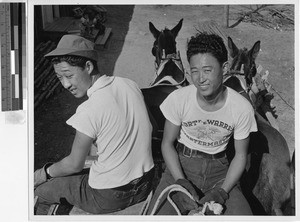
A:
(240, 75)
(160, 54)
(248, 72)
(175, 57)
(161, 59)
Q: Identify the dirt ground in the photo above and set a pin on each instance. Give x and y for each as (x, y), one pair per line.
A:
(128, 54)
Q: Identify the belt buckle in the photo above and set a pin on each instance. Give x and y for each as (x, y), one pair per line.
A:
(187, 152)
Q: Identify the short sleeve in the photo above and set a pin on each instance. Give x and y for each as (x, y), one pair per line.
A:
(170, 109)
(83, 122)
(246, 124)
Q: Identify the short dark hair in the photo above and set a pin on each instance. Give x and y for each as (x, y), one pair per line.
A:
(203, 42)
(73, 61)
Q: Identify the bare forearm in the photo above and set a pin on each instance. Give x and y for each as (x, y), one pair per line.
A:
(64, 167)
(74, 162)
(235, 171)
(171, 158)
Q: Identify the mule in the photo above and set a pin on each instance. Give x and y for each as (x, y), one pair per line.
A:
(165, 41)
(170, 73)
(244, 57)
(266, 182)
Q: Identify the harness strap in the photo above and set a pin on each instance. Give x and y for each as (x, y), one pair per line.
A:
(246, 89)
(161, 66)
(146, 204)
(171, 81)
(170, 189)
(215, 207)
(240, 77)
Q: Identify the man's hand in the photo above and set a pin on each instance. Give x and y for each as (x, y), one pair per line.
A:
(182, 199)
(219, 195)
(40, 175)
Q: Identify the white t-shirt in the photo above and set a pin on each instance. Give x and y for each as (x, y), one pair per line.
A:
(205, 131)
(115, 115)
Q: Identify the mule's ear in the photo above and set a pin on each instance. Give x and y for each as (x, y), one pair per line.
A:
(177, 28)
(154, 30)
(233, 50)
(255, 50)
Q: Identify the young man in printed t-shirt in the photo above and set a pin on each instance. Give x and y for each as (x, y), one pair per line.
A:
(201, 118)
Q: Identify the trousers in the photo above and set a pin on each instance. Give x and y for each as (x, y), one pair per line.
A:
(74, 190)
(205, 174)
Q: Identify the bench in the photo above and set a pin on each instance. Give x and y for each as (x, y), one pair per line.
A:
(132, 210)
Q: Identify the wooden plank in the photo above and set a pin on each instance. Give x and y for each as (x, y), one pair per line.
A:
(106, 35)
(35, 201)
(52, 209)
(47, 14)
(56, 11)
(101, 40)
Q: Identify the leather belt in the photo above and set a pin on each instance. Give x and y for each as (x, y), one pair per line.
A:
(148, 176)
(187, 152)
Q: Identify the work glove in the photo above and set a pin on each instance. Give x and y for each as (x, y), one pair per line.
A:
(182, 199)
(40, 175)
(218, 194)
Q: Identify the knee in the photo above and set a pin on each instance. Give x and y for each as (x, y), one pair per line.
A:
(45, 192)
(38, 191)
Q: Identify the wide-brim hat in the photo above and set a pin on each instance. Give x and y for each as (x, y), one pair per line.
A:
(74, 45)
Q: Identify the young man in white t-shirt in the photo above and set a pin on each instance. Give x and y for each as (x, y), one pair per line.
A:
(114, 118)
(201, 118)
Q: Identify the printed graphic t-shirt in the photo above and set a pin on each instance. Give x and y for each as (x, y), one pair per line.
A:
(205, 131)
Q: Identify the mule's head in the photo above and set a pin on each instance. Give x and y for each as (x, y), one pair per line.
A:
(243, 60)
(165, 43)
